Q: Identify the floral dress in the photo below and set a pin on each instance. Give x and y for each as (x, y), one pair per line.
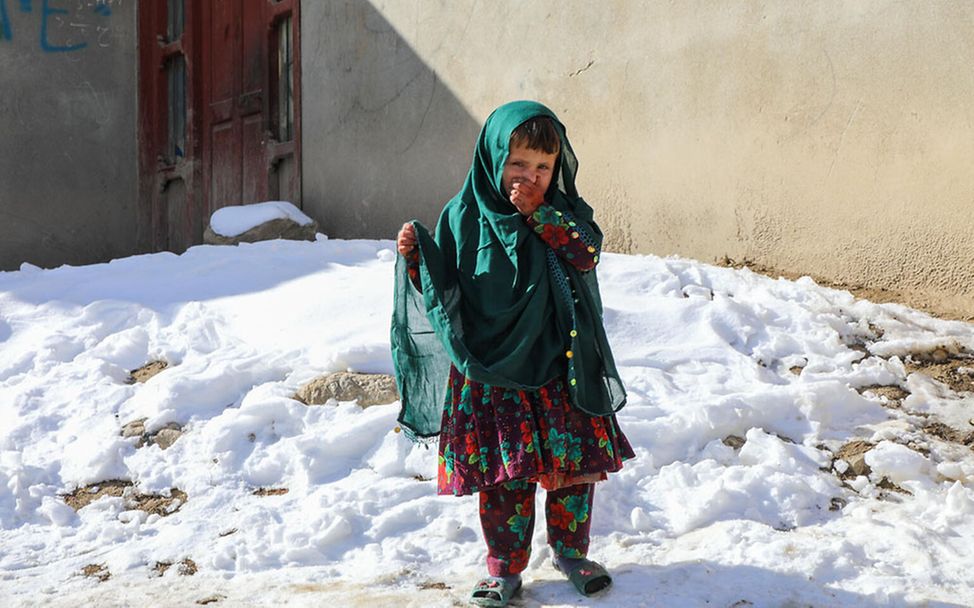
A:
(493, 435)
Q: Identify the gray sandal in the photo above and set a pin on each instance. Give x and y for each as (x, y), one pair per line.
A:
(588, 577)
(494, 591)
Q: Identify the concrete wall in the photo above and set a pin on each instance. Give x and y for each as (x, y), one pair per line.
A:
(833, 138)
(68, 172)
(383, 140)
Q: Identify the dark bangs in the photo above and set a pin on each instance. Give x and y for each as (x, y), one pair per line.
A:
(537, 133)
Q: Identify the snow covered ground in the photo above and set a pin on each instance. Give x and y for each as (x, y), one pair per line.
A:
(741, 389)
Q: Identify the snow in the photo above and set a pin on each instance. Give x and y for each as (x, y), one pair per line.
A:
(706, 353)
(235, 220)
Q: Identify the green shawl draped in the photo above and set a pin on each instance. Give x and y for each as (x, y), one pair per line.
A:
(496, 301)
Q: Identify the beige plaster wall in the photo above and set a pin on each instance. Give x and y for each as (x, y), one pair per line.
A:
(833, 138)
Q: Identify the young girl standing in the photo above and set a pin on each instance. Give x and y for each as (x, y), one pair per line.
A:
(499, 349)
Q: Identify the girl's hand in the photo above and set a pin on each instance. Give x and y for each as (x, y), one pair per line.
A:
(527, 197)
(406, 240)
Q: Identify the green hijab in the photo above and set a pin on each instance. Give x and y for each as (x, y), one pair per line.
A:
(496, 301)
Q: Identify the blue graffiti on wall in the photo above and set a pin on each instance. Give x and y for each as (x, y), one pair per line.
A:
(76, 18)
(5, 33)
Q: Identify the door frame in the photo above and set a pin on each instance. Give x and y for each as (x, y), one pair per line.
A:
(277, 150)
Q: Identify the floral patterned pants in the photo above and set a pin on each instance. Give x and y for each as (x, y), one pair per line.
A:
(507, 517)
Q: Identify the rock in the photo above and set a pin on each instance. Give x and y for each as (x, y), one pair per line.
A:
(278, 228)
(854, 454)
(164, 437)
(167, 436)
(858, 466)
(734, 441)
(135, 428)
(366, 389)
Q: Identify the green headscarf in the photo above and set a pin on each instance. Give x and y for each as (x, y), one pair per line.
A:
(496, 301)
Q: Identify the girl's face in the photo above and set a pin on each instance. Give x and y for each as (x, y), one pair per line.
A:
(528, 165)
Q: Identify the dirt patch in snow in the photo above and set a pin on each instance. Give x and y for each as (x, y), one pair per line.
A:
(270, 491)
(147, 371)
(98, 571)
(211, 599)
(187, 567)
(160, 505)
(82, 497)
(947, 433)
(889, 396)
(957, 372)
(889, 486)
(150, 503)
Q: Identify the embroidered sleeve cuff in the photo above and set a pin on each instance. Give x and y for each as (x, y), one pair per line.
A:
(569, 239)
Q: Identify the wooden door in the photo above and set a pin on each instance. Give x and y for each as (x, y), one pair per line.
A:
(172, 211)
(219, 112)
(249, 102)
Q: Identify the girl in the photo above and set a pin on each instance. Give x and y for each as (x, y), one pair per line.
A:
(500, 351)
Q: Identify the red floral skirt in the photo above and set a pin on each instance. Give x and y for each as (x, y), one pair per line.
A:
(493, 435)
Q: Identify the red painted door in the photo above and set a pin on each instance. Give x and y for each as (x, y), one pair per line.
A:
(219, 112)
(172, 211)
(249, 132)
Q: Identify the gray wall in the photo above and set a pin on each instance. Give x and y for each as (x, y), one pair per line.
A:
(68, 166)
(384, 140)
(832, 138)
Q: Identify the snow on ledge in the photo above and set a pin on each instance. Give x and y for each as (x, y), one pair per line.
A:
(235, 220)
